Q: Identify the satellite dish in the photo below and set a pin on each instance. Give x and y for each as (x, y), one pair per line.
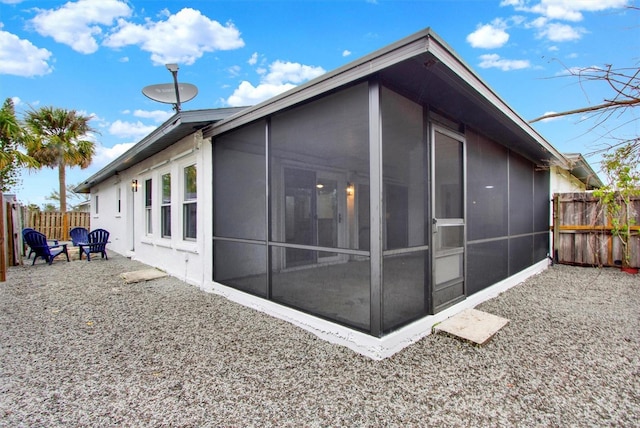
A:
(166, 92)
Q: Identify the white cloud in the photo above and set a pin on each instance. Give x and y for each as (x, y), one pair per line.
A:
(134, 130)
(566, 10)
(571, 10)
(20, 57)
(247, 94)
(281, 77)
(78, 24)
(346, 52)
(577, 71)
(514, 3)
(495, 61)
(234, 70)
(489, 36)
(182, 38)
(293, 72)
(104, 155)
(254, 59)
(561, 32)
(554, 31)
(549, 11)
(157, 116)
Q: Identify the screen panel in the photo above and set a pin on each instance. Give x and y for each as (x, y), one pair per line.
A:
(487, 263)
(487, 202)
(521, 205)
(404, 298)
(338, 292)
(240, 265)
(520, 253)
(239, 184)
(404, 166)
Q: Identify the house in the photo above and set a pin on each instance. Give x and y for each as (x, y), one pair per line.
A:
(365, 205)
(579, 177)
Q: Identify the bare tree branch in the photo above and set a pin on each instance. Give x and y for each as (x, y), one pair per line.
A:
(605, 106)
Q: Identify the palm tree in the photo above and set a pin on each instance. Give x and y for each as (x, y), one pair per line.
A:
(11, 138)
(56, 140)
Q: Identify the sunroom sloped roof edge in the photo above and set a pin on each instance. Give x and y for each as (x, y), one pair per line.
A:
(441, 50)
(396, 52)
(419, 43)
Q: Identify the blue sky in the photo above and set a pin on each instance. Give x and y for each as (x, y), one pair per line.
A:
(95, 56)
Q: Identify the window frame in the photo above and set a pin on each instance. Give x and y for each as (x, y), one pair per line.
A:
(148, 206)
(165, 206)
(189, 204)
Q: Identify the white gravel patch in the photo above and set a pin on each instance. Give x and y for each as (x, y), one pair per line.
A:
(79, 347)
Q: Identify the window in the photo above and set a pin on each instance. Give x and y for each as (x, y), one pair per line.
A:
(147, 205)
(165, 207)
(190, 204)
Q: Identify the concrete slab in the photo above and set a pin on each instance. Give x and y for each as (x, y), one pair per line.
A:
(142, 275)
(472, 325)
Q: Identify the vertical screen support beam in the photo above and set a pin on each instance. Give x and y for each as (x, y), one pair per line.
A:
(267, 181)
(376, 209)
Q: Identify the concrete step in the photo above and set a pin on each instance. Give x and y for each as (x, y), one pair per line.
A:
(472, 325)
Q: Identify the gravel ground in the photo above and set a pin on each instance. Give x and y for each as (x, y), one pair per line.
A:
(78, 347)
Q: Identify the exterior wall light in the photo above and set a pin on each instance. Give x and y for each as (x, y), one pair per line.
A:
(134, 185)
(350, 189)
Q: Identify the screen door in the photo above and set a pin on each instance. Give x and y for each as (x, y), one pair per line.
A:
(448, 218)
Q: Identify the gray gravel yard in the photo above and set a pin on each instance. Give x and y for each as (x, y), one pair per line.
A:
(79, 347)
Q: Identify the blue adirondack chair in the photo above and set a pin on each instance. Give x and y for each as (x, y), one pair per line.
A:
(24, 232)
(79, 235)
(27, 229)
(40, 247)
(97, 241)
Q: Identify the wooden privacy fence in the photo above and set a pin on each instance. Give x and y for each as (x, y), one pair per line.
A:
(582, 233)
(55, 224)
(14, 217)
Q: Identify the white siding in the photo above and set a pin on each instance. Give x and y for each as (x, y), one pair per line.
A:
(189, 260)
(563, 182)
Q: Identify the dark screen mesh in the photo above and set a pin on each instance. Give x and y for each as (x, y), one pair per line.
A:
(520, 253)
(520, 195)
(486, 188)
(239, 209)
(487, 263)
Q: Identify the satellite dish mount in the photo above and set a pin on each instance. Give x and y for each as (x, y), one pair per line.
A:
(171, 93)
(173, 68)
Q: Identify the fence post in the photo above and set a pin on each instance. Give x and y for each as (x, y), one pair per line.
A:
(3, 259)
(556, 227)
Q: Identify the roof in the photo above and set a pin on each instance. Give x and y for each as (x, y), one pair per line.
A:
(580, 168)
(423, 65)
(177, 127)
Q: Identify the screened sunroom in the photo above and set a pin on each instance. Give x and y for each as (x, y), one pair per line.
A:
(380, 193)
